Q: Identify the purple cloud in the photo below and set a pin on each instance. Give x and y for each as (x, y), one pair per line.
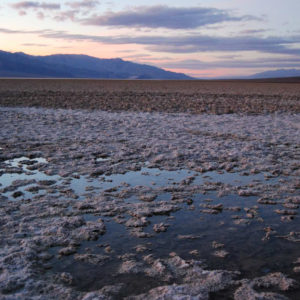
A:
(193, 43)
(33, 4)
(83, 4)
(164, 17)
(276, 62)
(253, 31)
(66, 15)
(185, 44)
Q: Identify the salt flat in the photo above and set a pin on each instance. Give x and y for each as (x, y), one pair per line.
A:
(115, 203)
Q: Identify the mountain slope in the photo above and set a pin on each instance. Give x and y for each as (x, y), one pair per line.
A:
(281, 73)
(78, 66)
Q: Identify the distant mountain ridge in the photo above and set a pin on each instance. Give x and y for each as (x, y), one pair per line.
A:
(280, 73)
(19, 64)
(78, 66)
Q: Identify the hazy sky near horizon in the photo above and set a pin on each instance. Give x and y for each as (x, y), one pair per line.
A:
(202, 38)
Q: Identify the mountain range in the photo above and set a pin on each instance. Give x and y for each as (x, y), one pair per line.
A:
(83, 66)
(78, 66)
(281, 73)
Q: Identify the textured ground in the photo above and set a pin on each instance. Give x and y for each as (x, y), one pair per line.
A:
(148, 205)
(213, 97)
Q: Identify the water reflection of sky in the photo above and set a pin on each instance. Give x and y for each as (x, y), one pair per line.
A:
(248, 252)
(147, 177)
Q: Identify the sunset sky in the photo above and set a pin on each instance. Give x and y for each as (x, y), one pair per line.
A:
(202, 38)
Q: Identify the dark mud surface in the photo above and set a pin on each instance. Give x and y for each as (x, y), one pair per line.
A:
(107, 205)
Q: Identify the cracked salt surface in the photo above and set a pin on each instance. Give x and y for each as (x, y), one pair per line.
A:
(142, 219)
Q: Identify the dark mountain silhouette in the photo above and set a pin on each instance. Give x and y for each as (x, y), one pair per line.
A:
(78, 66)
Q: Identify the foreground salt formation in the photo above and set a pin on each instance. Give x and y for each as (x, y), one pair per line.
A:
(95, 192)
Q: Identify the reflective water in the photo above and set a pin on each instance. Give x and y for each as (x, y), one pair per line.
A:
(19, 176)
(248, 250)
(20, 169)
(154, 177)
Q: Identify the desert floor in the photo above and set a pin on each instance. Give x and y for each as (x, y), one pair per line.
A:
(149, 189)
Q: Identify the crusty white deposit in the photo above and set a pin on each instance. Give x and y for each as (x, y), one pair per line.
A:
(93, 145)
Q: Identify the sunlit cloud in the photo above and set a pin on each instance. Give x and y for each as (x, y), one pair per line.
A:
(40, 15)
(34, 45)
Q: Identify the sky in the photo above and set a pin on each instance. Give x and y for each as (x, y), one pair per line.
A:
(201, 38)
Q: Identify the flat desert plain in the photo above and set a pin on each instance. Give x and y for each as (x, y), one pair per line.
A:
(149, 189)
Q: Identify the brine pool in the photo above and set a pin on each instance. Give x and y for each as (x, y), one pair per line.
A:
(226, 231)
